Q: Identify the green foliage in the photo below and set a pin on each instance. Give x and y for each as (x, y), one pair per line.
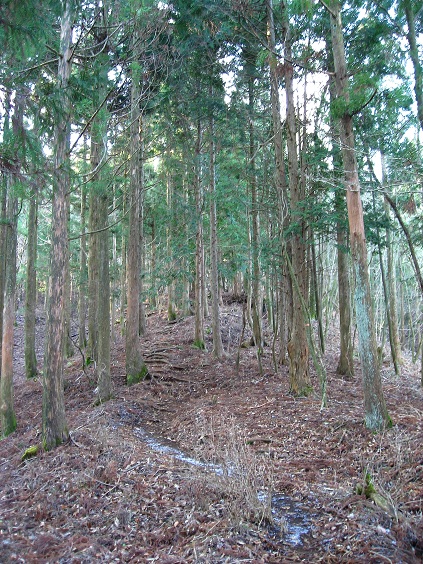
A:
(30, 452)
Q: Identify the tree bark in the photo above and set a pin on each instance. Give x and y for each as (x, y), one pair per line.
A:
(256, 297)
(83, 274)
(143, 317)
(392, 309)
(55, 429)
(214, 272)
(31, 287)
(171, 289)
(300, 382)
(199, 248)
(104, 384)
(7, 412)
(93, 253)
(376, 414)
(136, 370)
(3, 237)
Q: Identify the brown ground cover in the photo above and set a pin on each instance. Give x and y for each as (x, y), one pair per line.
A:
(183, 467)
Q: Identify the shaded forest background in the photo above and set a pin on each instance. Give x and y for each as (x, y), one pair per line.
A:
(194, 161)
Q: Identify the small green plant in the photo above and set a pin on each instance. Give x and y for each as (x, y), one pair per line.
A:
(198, 344)
(30, 452)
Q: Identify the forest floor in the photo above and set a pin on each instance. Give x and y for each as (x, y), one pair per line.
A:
(208, 463)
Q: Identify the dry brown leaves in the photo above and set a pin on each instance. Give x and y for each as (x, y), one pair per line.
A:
(111, 496)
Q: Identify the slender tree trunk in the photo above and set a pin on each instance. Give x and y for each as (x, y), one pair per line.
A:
(153, 264)
(199, 248)
(214, 273)
(390, 285)
(55, 429)
(104, 384)
(143, 318)
(31, 287)
(376, 414)
(93, 253)
(186, 302)
(83, 274)
(136, 370)
(123, 280)
(69, 349)
(113, 280)
(300, 382)
(171, 298)
(256, 301)
(316, 294)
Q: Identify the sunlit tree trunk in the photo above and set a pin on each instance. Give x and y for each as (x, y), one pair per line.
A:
(31, 287)
(55, 429)
(376, 414)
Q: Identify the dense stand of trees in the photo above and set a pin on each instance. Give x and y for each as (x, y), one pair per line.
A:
(160, 155)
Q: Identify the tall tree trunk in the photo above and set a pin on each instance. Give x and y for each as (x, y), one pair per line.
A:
(69, 348)
(3, 233)
(93, 253)
(345, 365)
(54, 421)
(186, 302)
(376, 414)
(123, 279)
(199, 247)
(390, 285)
(214, 272)
(7, 412)
(256, 297)
(300, 382)
(104, 384)
(171, 289)
(83, 274)
(5, 187)
(281, 183)
(143, 317)
(31, 287)
(136, 370)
